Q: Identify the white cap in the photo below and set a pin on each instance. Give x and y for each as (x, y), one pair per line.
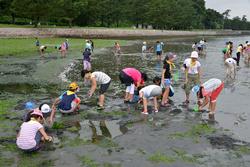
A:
(144, 43)
(248, 43)
(194, 54)
(45, 108)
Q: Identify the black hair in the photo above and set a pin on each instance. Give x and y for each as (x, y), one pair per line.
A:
(144, 76)
(240, 45)
(195, 43)
(165, 59)
(139, 88)
(199, 93)
(84, 72)
(157, 79)
(157, 41)
(246, 41)
(40, 107)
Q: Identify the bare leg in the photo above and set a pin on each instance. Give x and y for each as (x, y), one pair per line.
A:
(165, 96)
(145, 105)
(155, 104)
(101, 100)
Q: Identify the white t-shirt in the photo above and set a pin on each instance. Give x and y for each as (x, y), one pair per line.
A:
(194, 69)
(230, 61)
(148, 89)
(144, 48)
(202, 42)
(211, 85)
(101, 77)
(88, 46)
(193, 46)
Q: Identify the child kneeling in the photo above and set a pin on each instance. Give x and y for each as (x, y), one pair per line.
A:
(150, 92)
(32, 133)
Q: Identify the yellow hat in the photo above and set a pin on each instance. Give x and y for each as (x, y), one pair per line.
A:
(73, 85)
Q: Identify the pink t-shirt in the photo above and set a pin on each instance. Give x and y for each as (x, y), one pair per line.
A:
(26, 139)
(134, 74)
(63, 46)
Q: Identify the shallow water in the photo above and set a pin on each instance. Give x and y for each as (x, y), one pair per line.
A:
(120, 135)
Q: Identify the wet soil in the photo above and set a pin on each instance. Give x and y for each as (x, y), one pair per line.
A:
(120, 135)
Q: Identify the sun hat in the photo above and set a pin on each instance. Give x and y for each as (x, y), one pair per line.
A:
(37, 112)
(73, 86)
(29, 105)
(171, 55)
(45, 108)
(194, 54)
(195, 89)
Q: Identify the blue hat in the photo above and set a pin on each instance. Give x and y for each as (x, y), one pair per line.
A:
(29, 105)
(195, 89)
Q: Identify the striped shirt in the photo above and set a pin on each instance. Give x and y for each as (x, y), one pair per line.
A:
(26, 139)
(101, 77)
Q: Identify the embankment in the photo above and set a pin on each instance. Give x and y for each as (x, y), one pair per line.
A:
(108, 33)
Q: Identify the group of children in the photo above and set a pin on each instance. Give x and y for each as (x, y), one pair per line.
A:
(231, 61)
(32, 132)
(63, 48)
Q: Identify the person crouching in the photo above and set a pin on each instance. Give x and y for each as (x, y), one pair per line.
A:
(32, 133)
(150, 92)
(68, 102)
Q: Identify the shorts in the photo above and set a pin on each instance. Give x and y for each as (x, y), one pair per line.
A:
(167, 82)
(86, 65)
(159, 53)
(104, 87)
(130, 89)
(216, 93)
(125, 79)
(74, 106)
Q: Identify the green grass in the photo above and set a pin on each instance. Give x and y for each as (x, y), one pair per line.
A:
(26, 46)
(88, 162)
(161, 158)
(195, 132)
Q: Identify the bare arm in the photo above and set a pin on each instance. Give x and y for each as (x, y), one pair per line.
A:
(199, 74)
(204, 103)
(52, 115)
(93, 86)
(44, 134)
(163, 75)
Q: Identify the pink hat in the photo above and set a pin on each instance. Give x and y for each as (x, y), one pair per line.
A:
(37, 112)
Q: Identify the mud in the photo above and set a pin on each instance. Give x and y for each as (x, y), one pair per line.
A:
(120, 135)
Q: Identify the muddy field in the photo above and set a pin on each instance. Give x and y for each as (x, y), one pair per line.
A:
(120, 136)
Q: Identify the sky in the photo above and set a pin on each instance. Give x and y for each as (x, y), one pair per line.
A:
(238, 7)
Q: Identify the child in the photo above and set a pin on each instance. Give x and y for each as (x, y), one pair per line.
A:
(192, 74)
(132, 78)
(144, 47)
(88, 45)
(97, 77)
(148, 92)
(157, 81)
(247, 53)
(166, 76)
(117, 48)
(42, 50)
(68, 102)
(86, 60)
(158, 49)
(37, 43)
(238, 54)
(209, 90)
(231, 67)
(63, 49)
(32, 133)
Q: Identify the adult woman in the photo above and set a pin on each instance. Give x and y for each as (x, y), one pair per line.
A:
(193, 72)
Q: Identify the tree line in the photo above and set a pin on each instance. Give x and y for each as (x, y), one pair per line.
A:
(158, 14)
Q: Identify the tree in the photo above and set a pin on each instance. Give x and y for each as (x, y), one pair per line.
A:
(34, 10)
(226, 14)
(213, 20)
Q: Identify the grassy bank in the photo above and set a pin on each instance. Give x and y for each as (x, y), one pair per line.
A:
(26, 46)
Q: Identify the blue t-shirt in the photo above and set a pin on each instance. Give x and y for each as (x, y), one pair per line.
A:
(158, 47)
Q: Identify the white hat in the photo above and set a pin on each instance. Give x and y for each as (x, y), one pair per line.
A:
(248, 43)
(144, 43)
(194, 54)
(45, 108)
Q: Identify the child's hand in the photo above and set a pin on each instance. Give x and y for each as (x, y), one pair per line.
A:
(140, 100)
(90, 93)
(50, 139)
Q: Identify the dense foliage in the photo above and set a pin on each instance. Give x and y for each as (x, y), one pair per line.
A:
(160, 14)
